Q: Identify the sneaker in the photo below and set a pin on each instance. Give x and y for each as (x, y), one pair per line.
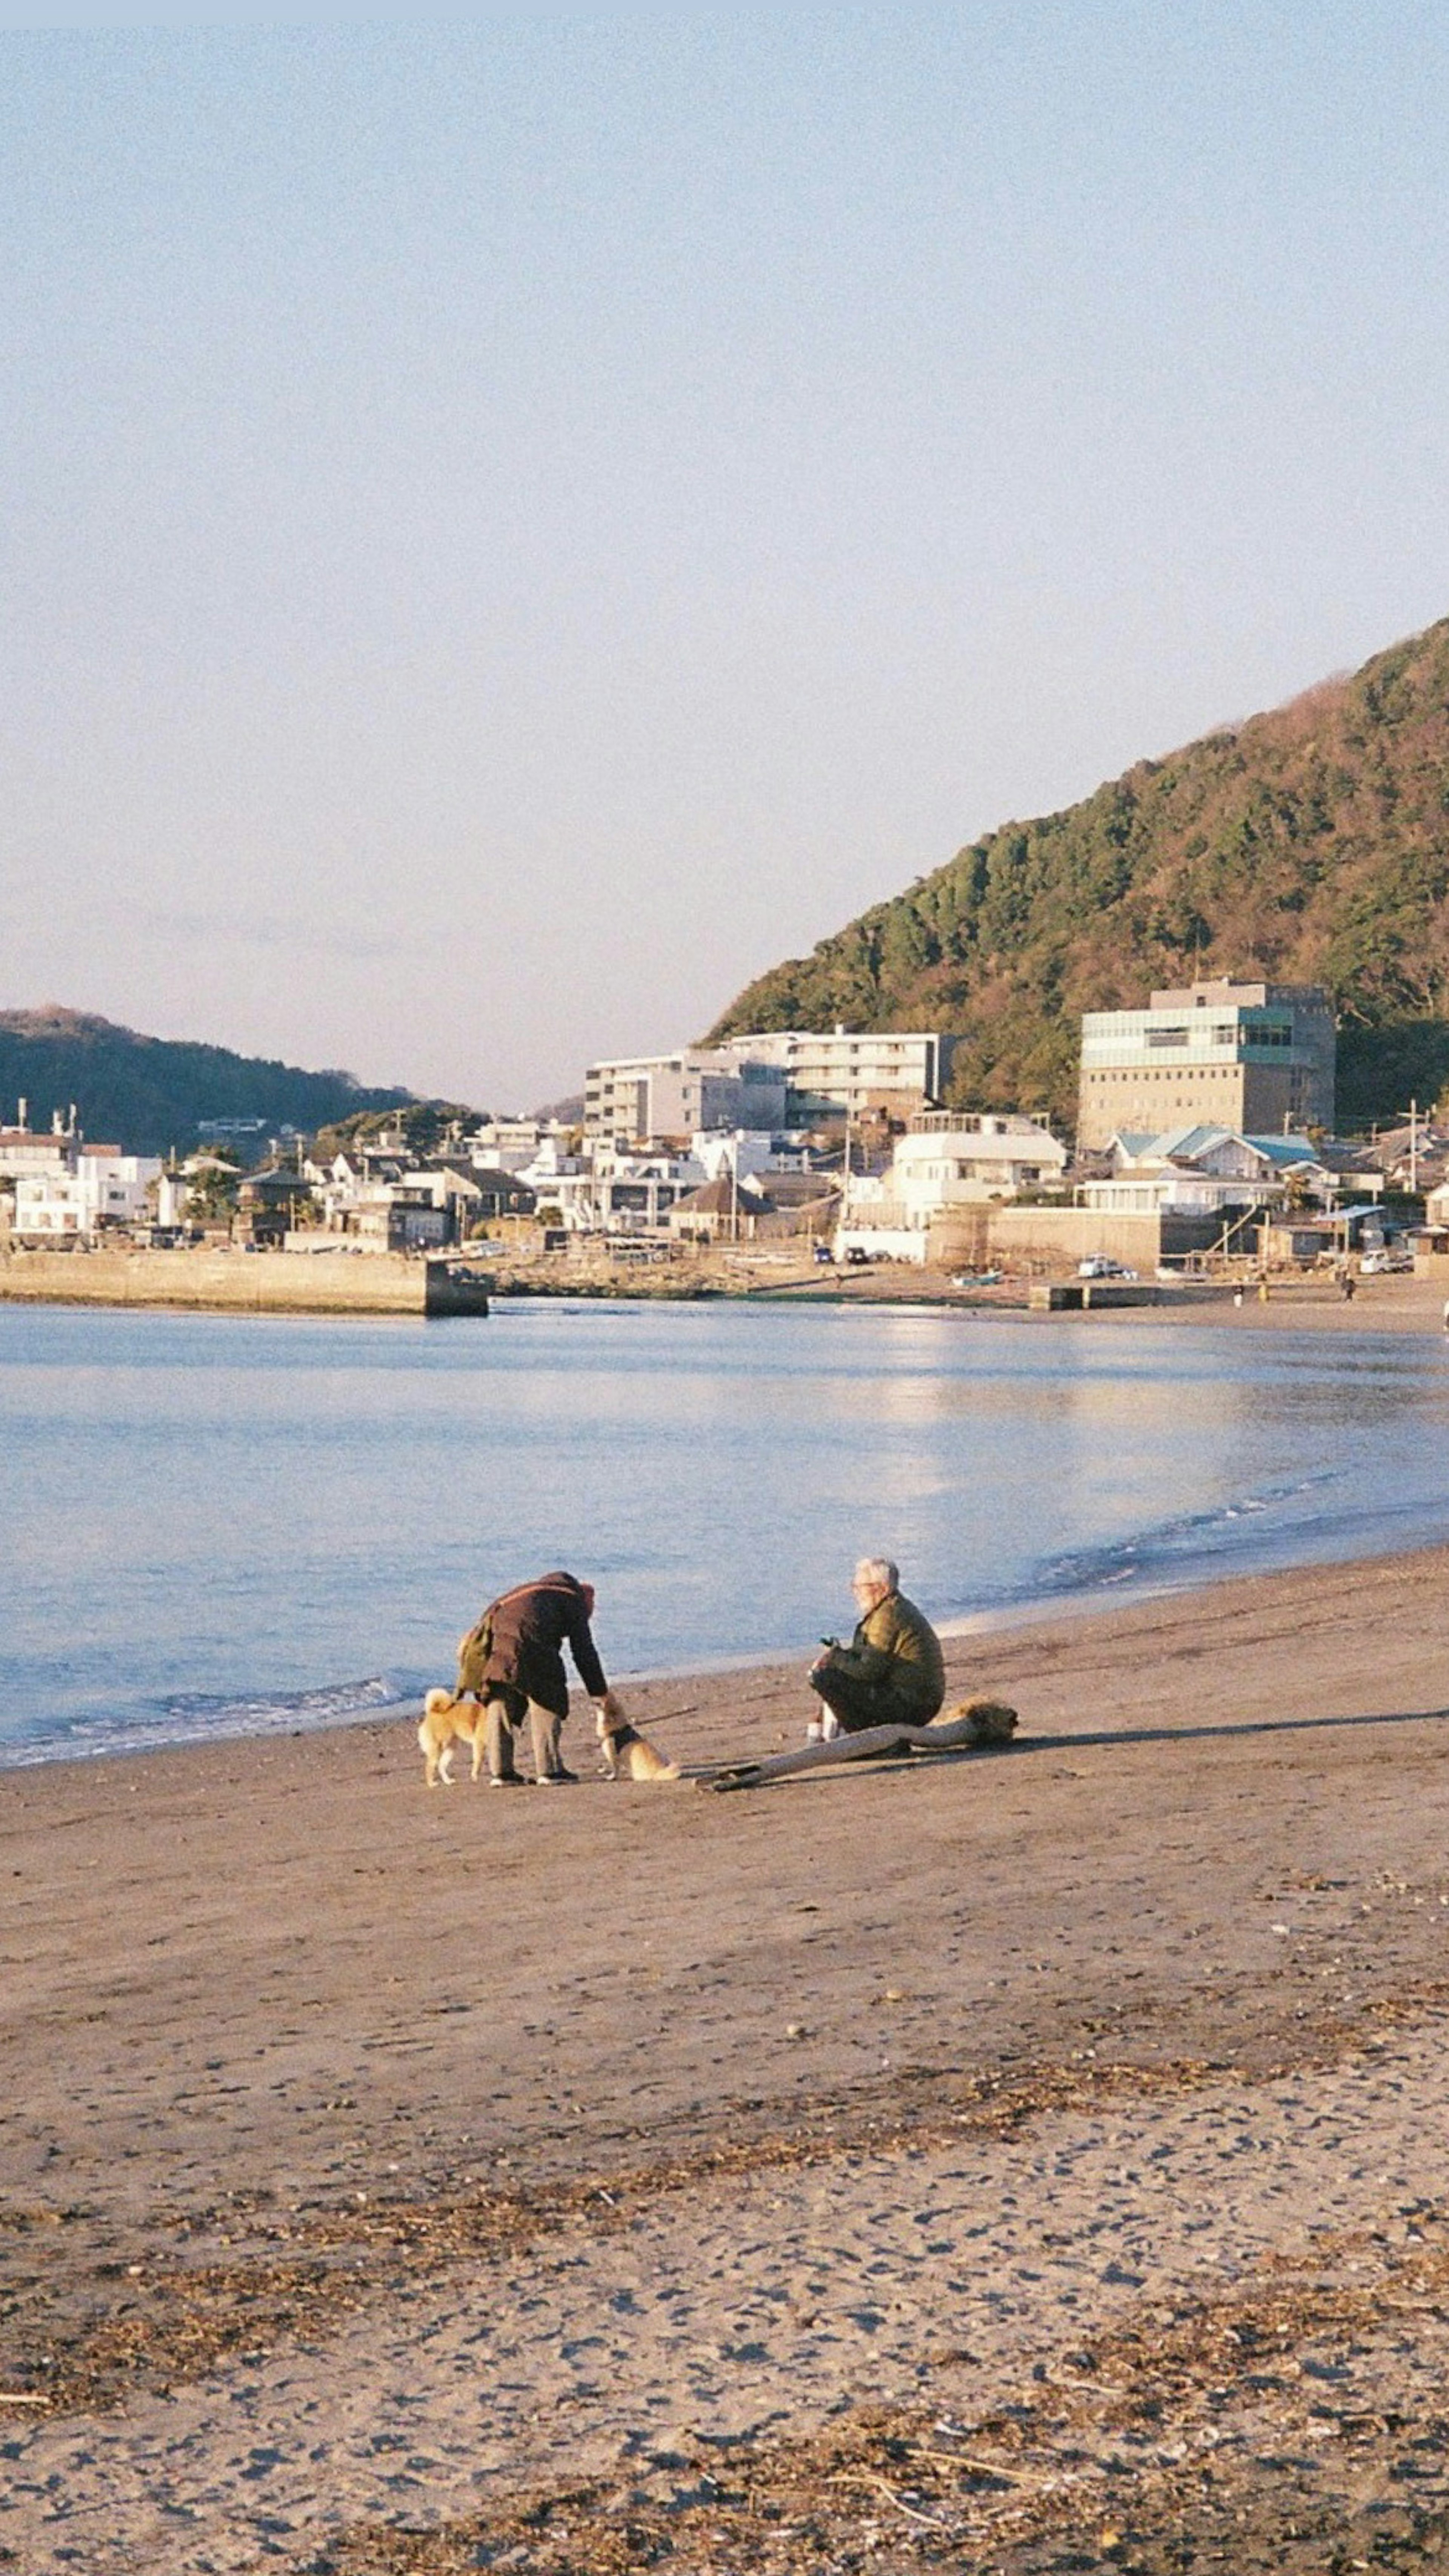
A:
(556, 1779)
(505, 1780)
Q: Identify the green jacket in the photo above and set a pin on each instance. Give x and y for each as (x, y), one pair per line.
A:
(898, 1650)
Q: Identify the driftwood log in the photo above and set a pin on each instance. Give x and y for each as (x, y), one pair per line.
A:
(977, 1726)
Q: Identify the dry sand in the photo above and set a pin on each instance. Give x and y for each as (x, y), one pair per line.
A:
(1308, 1301)
(1027, 2161)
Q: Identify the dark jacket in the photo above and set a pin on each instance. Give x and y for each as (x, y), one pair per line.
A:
(530, 1628)
(897, 1650)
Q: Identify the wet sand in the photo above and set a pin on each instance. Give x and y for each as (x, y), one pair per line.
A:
(1027, 2160)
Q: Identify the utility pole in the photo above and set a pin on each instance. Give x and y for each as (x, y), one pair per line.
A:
(1413, 1115)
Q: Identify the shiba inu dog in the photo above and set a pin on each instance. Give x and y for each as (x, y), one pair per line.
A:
(448, 1721)
(625, 1751)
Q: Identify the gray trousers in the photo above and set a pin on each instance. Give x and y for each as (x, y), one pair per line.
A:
(506, 1708)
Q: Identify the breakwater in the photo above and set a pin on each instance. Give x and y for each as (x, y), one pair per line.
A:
(252, 1283)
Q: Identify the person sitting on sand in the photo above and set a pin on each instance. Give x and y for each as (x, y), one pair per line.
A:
(892, 1672)
(513, 1661)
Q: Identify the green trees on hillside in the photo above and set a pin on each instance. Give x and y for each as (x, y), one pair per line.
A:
(1309, 845)
(150, 1094)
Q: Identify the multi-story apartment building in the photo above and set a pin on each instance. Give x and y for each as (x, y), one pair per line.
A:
(894, 1072)
(672, 1097)
(776, 1079)
(1255, 1058)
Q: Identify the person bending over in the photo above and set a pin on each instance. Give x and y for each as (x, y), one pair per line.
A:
(513, 1661)
(892, 1670)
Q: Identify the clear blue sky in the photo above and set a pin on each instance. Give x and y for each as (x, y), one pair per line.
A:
(511, 528)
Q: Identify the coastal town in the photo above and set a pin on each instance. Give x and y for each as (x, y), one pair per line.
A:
(1204, 1149)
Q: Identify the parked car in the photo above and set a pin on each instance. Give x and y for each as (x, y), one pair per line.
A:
(822, 1252)
(1097, 1266)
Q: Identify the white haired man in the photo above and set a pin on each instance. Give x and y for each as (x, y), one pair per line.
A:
(892, 1670)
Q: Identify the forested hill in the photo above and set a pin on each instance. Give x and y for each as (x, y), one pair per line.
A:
(1309, 845)
(147, 1094)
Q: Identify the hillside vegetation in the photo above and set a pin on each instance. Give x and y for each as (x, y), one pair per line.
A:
(1310, 845)
(148, 1094)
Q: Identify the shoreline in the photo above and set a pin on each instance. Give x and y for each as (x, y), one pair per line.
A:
(445, 1288)
(523, 2172)
(1000, 1626)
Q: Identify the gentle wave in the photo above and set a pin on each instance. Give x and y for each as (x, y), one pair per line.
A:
(211, 1717)
(1149, 1552)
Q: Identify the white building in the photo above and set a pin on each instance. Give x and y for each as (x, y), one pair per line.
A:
(76, 1200)
(744, 1150)
(945, 1167)
(858, 1071)
(946, 1160)
(780, 1079)
(512, 1144)
(616, 1193)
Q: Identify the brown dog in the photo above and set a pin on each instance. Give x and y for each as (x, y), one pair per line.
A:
(624, 1750)
(448, 1721)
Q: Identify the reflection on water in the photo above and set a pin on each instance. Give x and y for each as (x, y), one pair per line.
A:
(216, 1522)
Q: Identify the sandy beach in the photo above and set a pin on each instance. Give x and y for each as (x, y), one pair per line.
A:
(1029, 2160)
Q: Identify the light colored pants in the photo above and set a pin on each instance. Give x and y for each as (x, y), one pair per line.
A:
(505, 1710)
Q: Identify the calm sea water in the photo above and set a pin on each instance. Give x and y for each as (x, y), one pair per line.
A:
(221, 1525)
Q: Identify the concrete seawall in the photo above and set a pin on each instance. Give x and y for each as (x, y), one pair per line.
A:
(267, 1283)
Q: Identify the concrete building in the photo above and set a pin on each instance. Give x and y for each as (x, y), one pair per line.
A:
(777, 1080)
(947, 1160)
(24, 1148)
(638, 1100)
(856, 1073)
(1255, 1058)
(96, 1188)
(945, 1174)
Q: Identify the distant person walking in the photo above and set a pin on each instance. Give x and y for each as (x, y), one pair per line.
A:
(1446, 1314)
(892, 1670)
(513, 1661)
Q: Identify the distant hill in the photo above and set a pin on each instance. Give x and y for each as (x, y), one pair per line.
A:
(1310, 845)
(148, 1094)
